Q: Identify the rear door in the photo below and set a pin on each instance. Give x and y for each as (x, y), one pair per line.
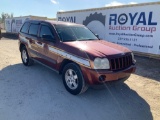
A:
(33, 43)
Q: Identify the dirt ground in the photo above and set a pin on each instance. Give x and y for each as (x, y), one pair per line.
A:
(37, 93)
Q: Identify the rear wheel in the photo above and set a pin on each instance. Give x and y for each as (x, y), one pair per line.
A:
(73, 79)
(25, 57)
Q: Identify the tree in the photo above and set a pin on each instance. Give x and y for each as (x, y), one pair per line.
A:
(11, 15)
(4, 16)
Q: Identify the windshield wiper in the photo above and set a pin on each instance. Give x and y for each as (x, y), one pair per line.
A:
(69, 40)
(87, 39)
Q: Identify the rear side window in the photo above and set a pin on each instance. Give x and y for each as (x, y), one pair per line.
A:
(25, 28)
(33, 29)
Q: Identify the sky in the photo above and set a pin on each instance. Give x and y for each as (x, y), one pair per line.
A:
(49, 8)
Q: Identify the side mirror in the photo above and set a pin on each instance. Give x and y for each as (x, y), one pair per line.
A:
(97, 36)
(48, 38)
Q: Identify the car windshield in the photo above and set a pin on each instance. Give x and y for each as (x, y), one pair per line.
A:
(74, 33)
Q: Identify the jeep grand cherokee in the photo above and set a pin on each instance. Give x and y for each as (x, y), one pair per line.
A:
(75, 52)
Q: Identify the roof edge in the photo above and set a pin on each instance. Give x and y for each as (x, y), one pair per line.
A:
(110, 7)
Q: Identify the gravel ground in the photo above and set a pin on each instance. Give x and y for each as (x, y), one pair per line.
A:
(37, 93)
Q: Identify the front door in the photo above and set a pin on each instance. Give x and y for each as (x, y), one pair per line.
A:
(47, 41)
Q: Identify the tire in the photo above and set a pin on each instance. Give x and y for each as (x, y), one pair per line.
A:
(27, 61)
(73, 79)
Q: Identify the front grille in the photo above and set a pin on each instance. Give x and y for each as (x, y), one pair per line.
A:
(121, 62)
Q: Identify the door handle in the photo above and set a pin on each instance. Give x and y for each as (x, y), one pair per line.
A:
(28, 38)
(39, 43)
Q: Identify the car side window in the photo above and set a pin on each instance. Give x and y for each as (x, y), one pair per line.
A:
(25, 27)
(46, 31)
(33, 30)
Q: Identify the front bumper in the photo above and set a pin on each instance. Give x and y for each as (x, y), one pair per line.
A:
(92, 76)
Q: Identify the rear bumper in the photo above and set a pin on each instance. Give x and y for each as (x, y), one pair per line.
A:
(93, 76)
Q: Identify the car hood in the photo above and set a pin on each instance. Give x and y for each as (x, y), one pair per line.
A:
(99, 48)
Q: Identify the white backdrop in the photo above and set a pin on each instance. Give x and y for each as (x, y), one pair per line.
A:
(137, 27)
(13, 25)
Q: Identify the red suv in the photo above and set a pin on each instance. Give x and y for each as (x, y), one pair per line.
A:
(75, 52)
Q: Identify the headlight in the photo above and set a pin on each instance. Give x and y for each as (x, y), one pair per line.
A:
(133, 58)
(101, 63)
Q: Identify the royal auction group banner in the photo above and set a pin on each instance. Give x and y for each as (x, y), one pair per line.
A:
(136, 27)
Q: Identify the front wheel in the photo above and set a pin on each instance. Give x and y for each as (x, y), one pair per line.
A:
(73, 79)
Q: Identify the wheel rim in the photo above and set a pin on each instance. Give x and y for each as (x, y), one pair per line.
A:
(24, 56)
(71, 79)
